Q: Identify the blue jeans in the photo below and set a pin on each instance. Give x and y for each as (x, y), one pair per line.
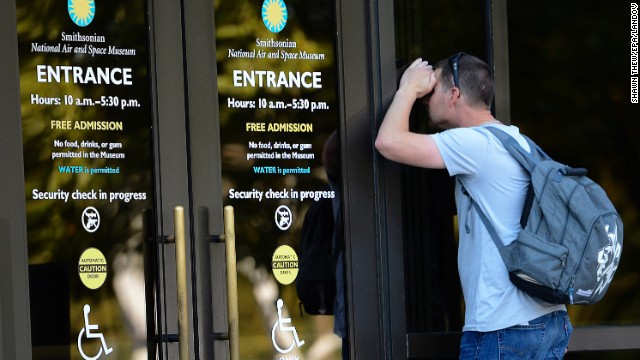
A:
(544, 338)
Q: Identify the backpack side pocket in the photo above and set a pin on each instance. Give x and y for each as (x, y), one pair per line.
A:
(536, 261)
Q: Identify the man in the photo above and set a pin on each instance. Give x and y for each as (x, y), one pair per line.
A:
(501, 322)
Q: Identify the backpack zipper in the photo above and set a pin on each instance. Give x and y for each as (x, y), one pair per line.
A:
(573, 280)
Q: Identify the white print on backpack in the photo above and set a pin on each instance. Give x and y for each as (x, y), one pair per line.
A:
(608, 259)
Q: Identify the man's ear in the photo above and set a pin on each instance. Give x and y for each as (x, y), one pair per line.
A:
(454, 95)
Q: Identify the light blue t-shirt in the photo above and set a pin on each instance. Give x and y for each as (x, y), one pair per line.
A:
(498, 184)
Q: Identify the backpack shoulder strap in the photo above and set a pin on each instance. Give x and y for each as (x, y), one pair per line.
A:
(485, 220)
(526, 159)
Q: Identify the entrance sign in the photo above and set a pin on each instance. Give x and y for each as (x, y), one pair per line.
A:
(277, 95)
(86, 120)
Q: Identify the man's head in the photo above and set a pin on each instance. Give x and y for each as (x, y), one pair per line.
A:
(462, 95)
(474, 76)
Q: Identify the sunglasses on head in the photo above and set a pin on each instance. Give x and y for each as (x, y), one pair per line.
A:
(454, 62)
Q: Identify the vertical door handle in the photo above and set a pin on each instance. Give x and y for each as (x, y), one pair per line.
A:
(181, 282)
(232, 283)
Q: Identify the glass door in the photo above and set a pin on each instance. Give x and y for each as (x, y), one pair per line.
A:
(280, 159)
(88, 168)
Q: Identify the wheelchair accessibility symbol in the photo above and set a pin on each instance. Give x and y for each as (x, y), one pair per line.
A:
(282, 332)
(89, 332)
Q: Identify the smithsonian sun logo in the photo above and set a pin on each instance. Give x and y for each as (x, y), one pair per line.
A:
(274, 15)
(81, 11)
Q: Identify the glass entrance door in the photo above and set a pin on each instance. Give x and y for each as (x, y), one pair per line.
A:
(106, 160)
(277, 85)
(88, 167)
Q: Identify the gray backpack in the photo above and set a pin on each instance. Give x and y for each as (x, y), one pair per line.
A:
(571, 242)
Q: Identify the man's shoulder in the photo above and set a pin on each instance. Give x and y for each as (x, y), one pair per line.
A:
(462, 137)
(511, 130)
(463, 150)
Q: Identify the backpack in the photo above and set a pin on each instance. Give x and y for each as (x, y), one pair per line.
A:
(316, 281)
(571, 239)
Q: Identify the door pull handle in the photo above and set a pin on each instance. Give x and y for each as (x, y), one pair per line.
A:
(181, 282)
(232, 283)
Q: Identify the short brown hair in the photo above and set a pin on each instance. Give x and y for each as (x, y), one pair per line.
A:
(475, 79)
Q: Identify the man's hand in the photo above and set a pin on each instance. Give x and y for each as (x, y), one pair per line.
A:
(419, 79)
(395, 141)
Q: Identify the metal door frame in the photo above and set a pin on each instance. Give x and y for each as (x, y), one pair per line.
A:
(374, 264)
(15, 329)
(184, 88)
